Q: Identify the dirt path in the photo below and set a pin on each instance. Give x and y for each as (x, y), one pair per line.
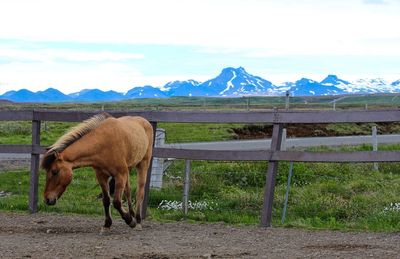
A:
(56, 236)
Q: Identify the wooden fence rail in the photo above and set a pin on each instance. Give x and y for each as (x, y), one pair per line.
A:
(273, 156)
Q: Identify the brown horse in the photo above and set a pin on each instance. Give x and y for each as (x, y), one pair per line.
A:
(112, 147)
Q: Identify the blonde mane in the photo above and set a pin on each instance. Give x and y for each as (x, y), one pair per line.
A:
(71, 136)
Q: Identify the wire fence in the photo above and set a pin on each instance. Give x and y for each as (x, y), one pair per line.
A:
(233, 191)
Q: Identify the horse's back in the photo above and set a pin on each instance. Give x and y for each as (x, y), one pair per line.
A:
(137, 135)
(137, 124)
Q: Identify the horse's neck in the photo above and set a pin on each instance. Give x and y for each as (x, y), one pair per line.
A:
(80, 154)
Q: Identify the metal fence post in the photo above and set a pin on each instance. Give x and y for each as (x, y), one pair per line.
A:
(34, 174)
(147, 186)
(287, 192)
(375, 144)
(285, 204)
(186, 185)
(266, 214)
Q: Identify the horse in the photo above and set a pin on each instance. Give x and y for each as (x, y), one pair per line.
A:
(112, 147)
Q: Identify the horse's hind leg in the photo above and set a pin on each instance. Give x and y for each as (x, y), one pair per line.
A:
(128, 197)
(120, 183)
(103, 181)
(142, 169)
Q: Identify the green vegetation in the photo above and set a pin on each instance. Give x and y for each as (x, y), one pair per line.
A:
(373, 101)
(328, 196)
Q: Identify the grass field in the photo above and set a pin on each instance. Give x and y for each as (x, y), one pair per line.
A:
(328, 196)
(373, 101)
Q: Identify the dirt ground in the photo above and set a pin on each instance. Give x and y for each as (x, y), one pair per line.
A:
(70, 236)
(308, 130)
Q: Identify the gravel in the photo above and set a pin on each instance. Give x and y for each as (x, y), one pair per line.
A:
(43, 235)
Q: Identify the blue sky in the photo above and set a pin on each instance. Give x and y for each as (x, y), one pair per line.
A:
(119, 44)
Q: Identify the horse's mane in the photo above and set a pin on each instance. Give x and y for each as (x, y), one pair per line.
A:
(70, 137)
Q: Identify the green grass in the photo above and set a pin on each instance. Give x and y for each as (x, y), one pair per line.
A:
(322, 196)
(197, 132)
(374, 101)
(20, 132)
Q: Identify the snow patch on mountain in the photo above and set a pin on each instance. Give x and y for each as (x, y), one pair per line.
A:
(229, 84)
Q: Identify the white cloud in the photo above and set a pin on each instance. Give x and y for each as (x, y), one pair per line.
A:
(233, 28)
(69, 78)
(46, 54)
(280, 27)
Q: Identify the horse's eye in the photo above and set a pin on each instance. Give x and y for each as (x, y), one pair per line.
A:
(55, 172)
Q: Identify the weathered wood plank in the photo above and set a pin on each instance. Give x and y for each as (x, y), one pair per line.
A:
(215, 117)
(34, 174)
(17, 115)
(216, 155)
(337, 157)
(246, 155)
(276, 143)
(18, 149)
(162, 116)
(338, 116)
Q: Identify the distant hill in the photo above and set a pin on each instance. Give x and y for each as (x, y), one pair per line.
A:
(95, 95)
(145, 92)
(231, 82)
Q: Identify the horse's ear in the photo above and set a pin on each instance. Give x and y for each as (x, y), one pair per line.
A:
(47, 160)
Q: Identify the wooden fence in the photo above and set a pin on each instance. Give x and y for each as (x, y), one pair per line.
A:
(273, 155)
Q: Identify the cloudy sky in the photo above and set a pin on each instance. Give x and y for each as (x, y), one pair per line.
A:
(119, 44)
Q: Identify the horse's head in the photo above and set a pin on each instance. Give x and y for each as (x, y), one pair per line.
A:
(58, 176)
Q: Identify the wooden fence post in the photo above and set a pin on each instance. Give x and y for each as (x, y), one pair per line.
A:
(266, 214)
(287, 100)
(34, 174)
(143, 210)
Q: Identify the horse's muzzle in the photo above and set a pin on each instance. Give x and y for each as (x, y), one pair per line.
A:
(50, 201)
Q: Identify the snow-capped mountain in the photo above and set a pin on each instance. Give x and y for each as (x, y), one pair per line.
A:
(396, 83)
(146, 91)
(237, 82)
(93, 95)
(188, 88)
(332, 85)
(307, 86)
(231, 82)
(334, 80)
(371, 86)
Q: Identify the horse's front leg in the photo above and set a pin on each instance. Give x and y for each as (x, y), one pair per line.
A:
(103, 181)
(120, 183)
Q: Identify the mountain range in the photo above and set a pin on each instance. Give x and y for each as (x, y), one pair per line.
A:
(231, 82)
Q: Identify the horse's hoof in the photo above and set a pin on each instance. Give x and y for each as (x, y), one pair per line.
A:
(105, 231)
(139, 227)
(133, 223)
